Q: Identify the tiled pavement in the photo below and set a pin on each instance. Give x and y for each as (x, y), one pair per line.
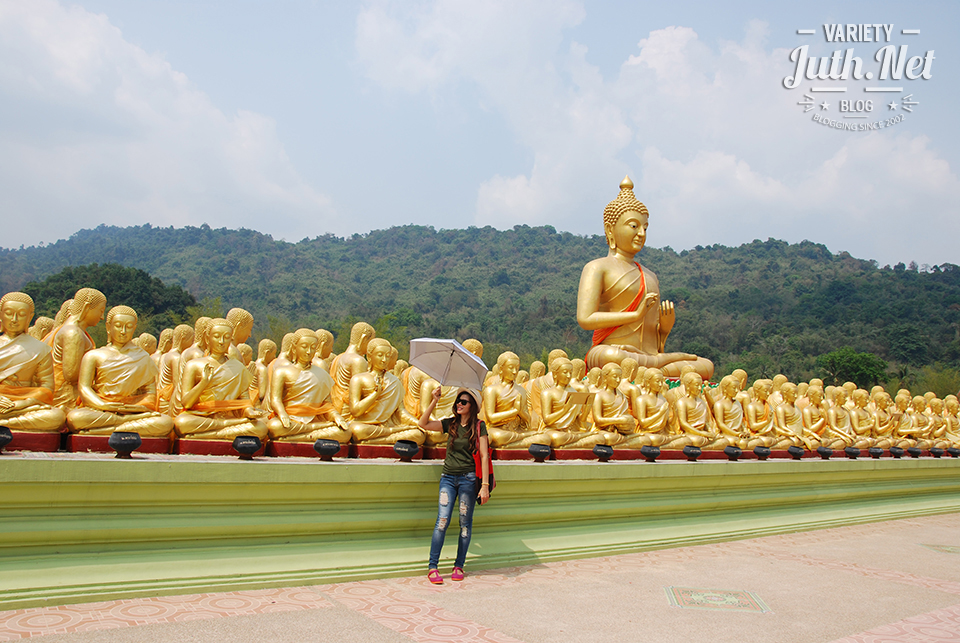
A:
(883, 582)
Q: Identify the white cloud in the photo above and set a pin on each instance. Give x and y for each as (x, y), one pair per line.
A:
(719, 151)
(96, 130)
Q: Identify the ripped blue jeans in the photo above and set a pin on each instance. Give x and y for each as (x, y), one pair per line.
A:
(462, 492)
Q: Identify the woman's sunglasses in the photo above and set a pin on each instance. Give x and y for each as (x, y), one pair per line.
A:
(463, 401)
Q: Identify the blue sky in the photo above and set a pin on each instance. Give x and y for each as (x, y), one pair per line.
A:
(302, 118)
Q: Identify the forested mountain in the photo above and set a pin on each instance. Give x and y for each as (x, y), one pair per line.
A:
(768, 306)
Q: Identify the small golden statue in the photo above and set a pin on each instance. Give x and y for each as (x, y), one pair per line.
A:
(242, 327)
(565, 420)
(214, 393)
(26, 371)
(376, 402)
(118, 385)
(70, 342)
(505, 408)
(169, 367)
(619, 300)
(300, 397)
(349, 363)
(325, 356)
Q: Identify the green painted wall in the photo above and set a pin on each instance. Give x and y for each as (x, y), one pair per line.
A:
(74, 530)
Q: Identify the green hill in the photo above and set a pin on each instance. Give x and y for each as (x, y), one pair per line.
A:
(768, 306)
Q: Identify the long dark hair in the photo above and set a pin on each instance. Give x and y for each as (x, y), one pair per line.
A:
(471, 423)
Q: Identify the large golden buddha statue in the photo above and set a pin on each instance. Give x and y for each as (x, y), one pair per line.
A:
(118, 385)
(376, 402)
(214, 393)
(300, 397)
(349, 363)
(70, 341)
(619, 300)
(26, 371)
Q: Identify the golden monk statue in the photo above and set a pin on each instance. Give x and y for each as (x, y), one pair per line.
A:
(376, 402)
(284, 358)
(26, 371)
(505, 408)
(300, 397)
(694, 420)
(565, 422)
(242, 327)
(41, 328)
(71, 341)
(788, 421)
(759, 416)
(325, 356)
(838, 433)
(883, 424)
(611, 409)
(169, 368)
(349, 363)
(246, 355)
(266, 354)
(951, 418)
(919, 423)
(196, 351)
(630, 390)
(535, 385)
(118, 385)
(164, 344)
(862, 420)
(619, 300)
(214, 393)
(652, 412)
(938, 424)
(728, 413)
(147, 342)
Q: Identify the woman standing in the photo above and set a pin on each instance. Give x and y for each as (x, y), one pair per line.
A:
(466, 435)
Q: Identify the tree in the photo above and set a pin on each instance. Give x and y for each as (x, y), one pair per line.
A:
(846, 364)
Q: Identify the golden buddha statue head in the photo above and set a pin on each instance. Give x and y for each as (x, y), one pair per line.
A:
(611, 375)
(61, 317)
(165, 343)
(693, 383)
(121, 325)
(789, 392)
(394, 356)
(761, 389)
(919, 403)
(629, 366)
(182, 337)
(815, 395)
(379, 353)
(242, 324)
(16, 309)
(304, 346)
(148, 343)
(729, 387)
(285, 345)
(360, 336)
(579, 369)
(629, 240)
(219, 336)
(902, 402)
(537, 369)
(779, 380)
(741, 376)
(839, 396)
(200, 328)
(41, 327)
(802, 389)
(88, 306)
(905, 391)
(266, 350)
(556, 353)
(951, 404)
(849, 388)
(861, 398)
(562, 370)
(817, 382)
(326, 343)
(400, 367)
(246, 353)
(653, 381)
(929, 395)
(509, 365)
(474, 346)
(593, 376)
(936, 406)
(523, 377)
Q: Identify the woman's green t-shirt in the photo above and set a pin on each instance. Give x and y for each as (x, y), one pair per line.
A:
(459, 460)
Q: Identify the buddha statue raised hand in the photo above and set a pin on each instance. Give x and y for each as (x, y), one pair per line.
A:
(376, 402)
(619, 300)
(118, 385)
(26, 371)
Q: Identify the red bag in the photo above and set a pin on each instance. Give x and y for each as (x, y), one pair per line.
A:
(478, 461)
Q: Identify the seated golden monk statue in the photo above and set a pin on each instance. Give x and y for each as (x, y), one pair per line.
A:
(951, 418)
(536, 385)
(260, 386)
(565, 423)
(838, 432)
(728, 413)
(147, 342)
(862, 421)
(214, 391)
(759, 416)
(325, 356)
(938, 424)
(651, 411)
(627, 386)
(41, 328)
(118, 385)
(242, 322)
(694, 419)
(164, 344)
(619, 300)
(919, 423)
(300, 397)
(197, 350)
(788, 422)
(376, 402)
(169, 367)
(349, 363)
(70, 341)
(505, 408)
(814, 415)
(883, 424)
(26, 371)
(611, 409)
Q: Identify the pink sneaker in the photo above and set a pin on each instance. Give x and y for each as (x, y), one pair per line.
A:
(457, 574)
(434, 577)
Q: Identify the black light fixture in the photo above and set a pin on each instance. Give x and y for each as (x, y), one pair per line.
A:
(935, 452)
(327, 449)
(124, 443)
(953, 452)
(914, 452)
(795, 452)
(406, 449)
(852, 452)
(896, 452)
(246, 446)
(824, 453)
(5, 437)
(691, 452)
(650, 453)
(603, 452)
(540, 452)
(875, 452)
(762, 453)
(732, 453)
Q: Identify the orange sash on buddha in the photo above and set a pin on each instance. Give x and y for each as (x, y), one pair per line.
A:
(222, 405)
(147, 400)
(39, 393)
(307, 410)
(601, 334)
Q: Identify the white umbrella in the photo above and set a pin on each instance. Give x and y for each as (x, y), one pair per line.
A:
(446, 361)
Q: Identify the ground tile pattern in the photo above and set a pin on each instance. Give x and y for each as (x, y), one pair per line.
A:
(416, 618)
(62, 619)
(934, 627)
(715, 599)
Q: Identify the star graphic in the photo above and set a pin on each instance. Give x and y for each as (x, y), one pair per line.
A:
(824, 105)
(892, 105)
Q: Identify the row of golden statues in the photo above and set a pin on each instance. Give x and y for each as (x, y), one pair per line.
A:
(201, 382)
